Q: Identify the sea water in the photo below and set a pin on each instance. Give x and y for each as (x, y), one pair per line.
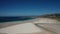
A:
(9, 19)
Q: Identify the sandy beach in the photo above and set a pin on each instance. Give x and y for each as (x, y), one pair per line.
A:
(38, 26)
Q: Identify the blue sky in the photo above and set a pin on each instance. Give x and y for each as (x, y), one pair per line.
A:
(28, 7)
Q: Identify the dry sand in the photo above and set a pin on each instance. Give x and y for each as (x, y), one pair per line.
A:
(30, 24)
(26, 28)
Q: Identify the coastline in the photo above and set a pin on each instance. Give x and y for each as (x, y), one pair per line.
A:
(39, 21)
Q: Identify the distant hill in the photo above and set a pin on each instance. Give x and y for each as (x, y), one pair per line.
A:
(52, 16)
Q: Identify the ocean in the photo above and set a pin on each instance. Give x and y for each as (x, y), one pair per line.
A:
(9, 19)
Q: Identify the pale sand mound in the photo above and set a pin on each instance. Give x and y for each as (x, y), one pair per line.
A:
(21, 28)
(26, 28)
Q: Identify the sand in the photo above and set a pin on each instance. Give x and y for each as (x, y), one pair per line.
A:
(21, 28)
(29, 27)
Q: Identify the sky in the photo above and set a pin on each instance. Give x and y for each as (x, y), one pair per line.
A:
(28, 7)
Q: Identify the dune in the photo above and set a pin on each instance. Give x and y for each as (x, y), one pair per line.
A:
(21, 28)
(26, 28)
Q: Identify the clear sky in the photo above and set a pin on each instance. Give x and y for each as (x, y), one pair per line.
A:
(28, 7)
